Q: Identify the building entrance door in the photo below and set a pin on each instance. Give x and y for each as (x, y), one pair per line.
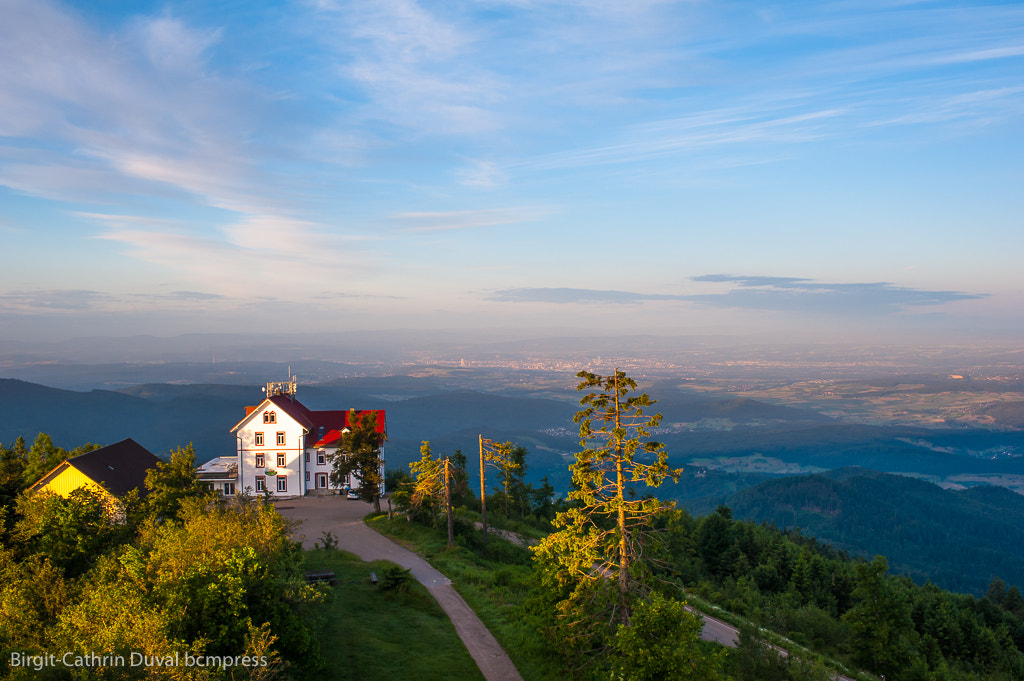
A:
(321, 480)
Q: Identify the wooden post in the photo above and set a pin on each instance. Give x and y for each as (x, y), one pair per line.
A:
(483, 491)
(448, 503)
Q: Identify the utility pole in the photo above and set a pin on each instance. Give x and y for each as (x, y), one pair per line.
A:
(448, 501)
(483, 490)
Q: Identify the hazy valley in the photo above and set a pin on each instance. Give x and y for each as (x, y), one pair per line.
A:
(732, 424)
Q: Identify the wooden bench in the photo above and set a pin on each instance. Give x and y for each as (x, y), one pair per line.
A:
(315, 576)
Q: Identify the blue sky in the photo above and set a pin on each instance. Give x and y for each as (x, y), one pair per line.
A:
(800, 170)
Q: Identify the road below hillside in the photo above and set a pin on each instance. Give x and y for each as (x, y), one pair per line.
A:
(344, 519)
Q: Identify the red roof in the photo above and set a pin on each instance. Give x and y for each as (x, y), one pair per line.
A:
(333, 422)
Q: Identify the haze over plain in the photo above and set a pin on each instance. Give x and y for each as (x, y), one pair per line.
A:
(798, 171)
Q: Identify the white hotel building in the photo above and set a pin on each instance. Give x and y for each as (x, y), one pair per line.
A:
(282, 446)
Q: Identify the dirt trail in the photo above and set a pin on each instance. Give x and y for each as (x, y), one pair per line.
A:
(344, 519)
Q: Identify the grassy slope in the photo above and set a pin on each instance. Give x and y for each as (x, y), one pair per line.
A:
(370, 634)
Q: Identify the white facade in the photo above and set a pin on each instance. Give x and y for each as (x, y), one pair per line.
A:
(283, 447)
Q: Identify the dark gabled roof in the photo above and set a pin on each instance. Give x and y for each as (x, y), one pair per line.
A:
(297, 410)
(285, 403)
(323, 427)
(120, 467)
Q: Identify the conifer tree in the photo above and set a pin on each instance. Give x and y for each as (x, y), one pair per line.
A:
(12, 469)
(510, 460)
(600, 540)
(428, 490)
(434, 482)
(41, 458)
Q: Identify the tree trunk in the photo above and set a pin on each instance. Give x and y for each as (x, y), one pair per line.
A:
(621, 497)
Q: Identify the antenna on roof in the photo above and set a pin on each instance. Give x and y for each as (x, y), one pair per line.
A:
(288, 387)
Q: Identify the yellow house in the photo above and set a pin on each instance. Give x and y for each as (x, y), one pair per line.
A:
(113, 470)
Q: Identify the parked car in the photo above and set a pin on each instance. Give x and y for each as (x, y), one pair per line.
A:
(352, 494)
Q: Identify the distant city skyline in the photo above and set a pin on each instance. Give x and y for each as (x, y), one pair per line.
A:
(797, 171)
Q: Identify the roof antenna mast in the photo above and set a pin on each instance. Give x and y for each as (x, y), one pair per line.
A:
(288, 387)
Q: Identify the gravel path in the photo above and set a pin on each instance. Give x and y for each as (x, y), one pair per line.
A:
(344, 519)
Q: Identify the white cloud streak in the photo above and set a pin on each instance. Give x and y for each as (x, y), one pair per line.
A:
(469, 219)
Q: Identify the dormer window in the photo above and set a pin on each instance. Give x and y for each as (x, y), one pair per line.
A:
(270, 417)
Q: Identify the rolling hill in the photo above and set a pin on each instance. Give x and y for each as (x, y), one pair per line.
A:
(960, 540)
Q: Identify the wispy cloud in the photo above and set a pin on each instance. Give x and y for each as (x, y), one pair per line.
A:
(413, 63)
(49, 301)
(72, 301)
(576, 295)
(805, 295)
(466, 219)
(790, 294)
(694, 134)
(195, 295)
(248, 256)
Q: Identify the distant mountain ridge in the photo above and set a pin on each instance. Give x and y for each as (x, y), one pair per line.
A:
(162, 417)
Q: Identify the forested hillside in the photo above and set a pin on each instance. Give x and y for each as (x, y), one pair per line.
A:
(850, 608)
(960, 540)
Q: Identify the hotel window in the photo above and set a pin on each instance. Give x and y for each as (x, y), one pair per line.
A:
(307, 457)
(282, 483)
(261, 483)
(280, 439)
(229, 488)
(280, 460)
(259, 439)
(270, 417)
(261, 462)
(321, 458)
(307, 476)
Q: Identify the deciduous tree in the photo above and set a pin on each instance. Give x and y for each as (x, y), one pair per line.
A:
(359, 452)
(71, 531)
(661, 642)
(170, 483)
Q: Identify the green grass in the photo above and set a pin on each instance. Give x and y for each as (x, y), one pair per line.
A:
(367, 633)
(495, 580)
